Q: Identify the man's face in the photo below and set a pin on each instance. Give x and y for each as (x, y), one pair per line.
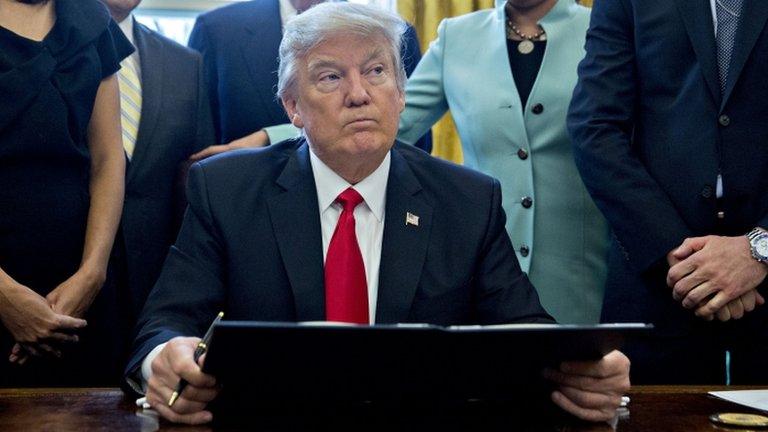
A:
(347, 100)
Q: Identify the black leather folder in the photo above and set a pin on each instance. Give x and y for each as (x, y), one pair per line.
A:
(322, 362)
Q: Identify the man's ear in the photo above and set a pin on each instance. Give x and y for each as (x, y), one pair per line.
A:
(290, 106)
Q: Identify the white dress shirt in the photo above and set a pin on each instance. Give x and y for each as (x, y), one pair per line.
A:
(126, 26)
(369, 216)
(369, 227)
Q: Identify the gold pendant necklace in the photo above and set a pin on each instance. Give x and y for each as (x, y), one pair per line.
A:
(526, 45)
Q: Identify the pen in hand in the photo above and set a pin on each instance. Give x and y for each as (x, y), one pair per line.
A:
(202, 347)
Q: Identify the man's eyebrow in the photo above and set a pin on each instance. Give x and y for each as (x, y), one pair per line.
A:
(375, 55)
(322, 63)
(333, 64)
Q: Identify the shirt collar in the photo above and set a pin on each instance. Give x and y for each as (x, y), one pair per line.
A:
(287, 11)
(126, 26)
(329, 185)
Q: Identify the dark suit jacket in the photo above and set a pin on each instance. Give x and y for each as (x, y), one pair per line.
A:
(239, 44)
(651, 133)
(251, 246)
(175, 123)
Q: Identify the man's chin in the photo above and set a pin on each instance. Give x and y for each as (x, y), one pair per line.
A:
(370, 143)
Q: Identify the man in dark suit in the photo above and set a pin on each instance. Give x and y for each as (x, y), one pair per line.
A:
(668, 123)
(239, 45)
(342, 225)
(166, 118)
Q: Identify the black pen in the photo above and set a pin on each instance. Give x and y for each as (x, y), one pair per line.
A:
(202, 347)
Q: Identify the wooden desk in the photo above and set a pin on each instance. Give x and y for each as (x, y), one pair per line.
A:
(657, 409)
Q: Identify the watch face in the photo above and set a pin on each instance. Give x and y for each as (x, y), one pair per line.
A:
(761, 246)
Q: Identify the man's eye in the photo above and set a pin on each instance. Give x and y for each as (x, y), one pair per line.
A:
(329, 78)
(378, 70)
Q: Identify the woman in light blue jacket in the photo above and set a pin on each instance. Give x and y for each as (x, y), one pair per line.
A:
(507, 75)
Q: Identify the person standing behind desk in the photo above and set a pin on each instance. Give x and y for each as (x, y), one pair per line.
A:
(239, 45)
(669, 127)
(61, 191)
(509, 102)
(344, 224)
(166, 117)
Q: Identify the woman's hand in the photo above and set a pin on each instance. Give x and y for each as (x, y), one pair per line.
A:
(33, 324)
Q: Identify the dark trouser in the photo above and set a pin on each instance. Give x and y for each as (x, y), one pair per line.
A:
(700, 358)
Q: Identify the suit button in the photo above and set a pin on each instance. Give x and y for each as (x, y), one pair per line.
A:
(524, 250)
(706, 192)
(527, 202)
(538, 108)
(724, 120)
(522, 154)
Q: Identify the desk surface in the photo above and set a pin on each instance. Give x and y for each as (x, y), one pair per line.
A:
(653, 408)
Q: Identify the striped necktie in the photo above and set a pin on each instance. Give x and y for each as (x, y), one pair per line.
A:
(130, 102)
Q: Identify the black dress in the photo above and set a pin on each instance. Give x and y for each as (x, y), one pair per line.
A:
(47, 94)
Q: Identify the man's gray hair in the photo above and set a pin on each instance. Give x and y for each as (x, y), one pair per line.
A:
(327, 20)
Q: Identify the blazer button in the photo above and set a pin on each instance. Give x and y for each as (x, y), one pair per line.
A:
(522, 154)
(527, 202)
(724, 120)
(538, 108)
(524, 250)
(706, 192)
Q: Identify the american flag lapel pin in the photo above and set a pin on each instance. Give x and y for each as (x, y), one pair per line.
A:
(411, 219)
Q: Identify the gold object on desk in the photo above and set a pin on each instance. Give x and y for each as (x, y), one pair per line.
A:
(739, 419)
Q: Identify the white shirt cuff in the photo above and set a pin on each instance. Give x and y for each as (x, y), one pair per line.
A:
(146, 366)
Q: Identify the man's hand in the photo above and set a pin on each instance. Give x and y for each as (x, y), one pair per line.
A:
(33, 324)
(715, 272)
(735, 309)
(256, 139)
(591, 390)
(74, 296)
(176, 361)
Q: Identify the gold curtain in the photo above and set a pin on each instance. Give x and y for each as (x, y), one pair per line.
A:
(425, 15)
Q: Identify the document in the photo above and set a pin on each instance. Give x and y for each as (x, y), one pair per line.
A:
(757, 399)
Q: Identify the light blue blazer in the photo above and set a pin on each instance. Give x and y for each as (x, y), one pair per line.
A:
(466, 70)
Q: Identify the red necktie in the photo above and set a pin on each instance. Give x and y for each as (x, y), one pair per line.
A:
(346, 290)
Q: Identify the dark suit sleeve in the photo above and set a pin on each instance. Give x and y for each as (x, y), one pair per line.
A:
(601, 122)
(411, 55)
(190, 290)
(502, 292)
(199, 40)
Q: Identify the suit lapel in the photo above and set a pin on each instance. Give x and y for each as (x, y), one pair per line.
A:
(261, 52)
(296, 223)
(152, 61)
(697, 16)
(754, 16)
(404, 247)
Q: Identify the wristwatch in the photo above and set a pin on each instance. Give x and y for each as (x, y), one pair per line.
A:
(758, 244)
